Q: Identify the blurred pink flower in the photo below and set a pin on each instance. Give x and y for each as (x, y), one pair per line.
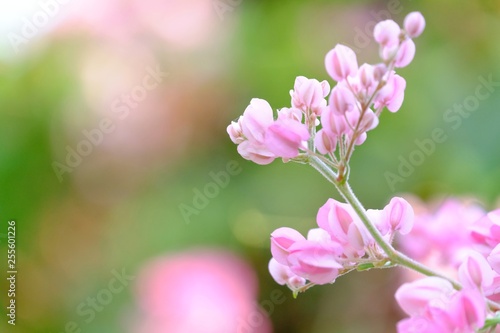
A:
(199, 292)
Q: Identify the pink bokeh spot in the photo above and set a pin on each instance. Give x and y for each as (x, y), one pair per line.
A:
(199, 292)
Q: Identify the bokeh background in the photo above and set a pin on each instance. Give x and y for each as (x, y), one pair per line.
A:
(124, 204)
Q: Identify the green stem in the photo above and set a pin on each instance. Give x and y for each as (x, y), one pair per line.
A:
(395, 256)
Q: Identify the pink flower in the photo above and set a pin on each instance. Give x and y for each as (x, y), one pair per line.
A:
(333, 123)
(315, 261)
(367, 79)
(486, 231)
(475, 272)
(336, 218)
(414, 297)
(494, 259)
(309, 94)
(282, 274)
(467, 310)
(203, 291)
(386, 33)
(392, 94)
(341, 62)
(442, 238)
(234, 131)
(258, 116)
(434, 306)
(341, 100)
(255, 152)
(398, 215)
(344, 227)
(281, 240)
(424, 324)
(325, 142)
(285, 137)
(414, 24)
(367, 123)
(405, 54)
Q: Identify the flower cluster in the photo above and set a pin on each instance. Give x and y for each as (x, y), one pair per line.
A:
(353, 108)
(321, 128)
(468, 250)
(340, 244)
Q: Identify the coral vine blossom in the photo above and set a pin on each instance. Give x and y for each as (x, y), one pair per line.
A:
(321, 127)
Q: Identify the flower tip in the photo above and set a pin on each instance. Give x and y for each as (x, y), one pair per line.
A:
(414, 24)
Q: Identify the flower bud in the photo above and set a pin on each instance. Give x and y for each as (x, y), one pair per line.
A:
(335, 217)
(414, 24)
(341, 62)
(369, 121)
(413, 297)
(282, 274)
(258, 116)
(341, 100)
(392, 94)
(366, 76)
(315, 261)
(386, 33)
(494, 259)
(234, 131)
(405, 54)
(333, 123)
(285, 137)
(255, 152)
(399, 215)
(325, 142)
(475, 271)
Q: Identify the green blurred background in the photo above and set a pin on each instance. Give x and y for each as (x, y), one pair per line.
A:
(121, 206)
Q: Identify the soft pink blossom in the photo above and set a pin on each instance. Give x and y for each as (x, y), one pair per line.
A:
(309, 94)
(336, 218)
(235, 132)
(367, 123)
(392, 94)
(494, 259)
(255, 152)
(441, 237)
(367, 79)
(414, 297)
(315, 261)
(281, 240)
(325, 142)
(341, 100)
(405, 53)
(486, 231)
(203, 291)
(333, 123)
(257, 118)
(399, 215)
(282, 274)
(434, 306)
(467, 310)
(414, 24)
(344, 227)
(386, 33)
(475, 271)
(285, 137)
(341, 62)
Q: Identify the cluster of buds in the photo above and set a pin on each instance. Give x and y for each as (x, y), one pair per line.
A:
(354, 104)
(462, 240)
(321, 128)
(341, 244)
